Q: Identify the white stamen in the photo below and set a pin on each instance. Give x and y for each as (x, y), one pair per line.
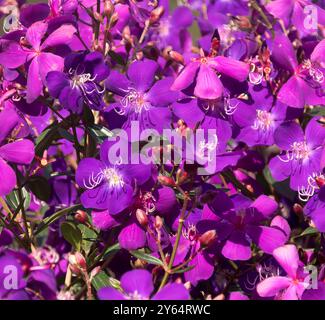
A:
(111, 175)
(263, 120)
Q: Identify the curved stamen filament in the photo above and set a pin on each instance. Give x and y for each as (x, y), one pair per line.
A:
(110, 175)
(263, 120)
(299, 151)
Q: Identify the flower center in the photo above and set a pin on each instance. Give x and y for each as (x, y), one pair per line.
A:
(315, 182)
(299, 151)
(114, 179)
(263, 120)
(110, 175)
(190, 233)
(135, 101)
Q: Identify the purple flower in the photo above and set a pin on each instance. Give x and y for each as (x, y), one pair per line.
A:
(201, 72)
(137, 285)
(80, 83)
(293, 285)
(315, 207)
(18, 152)
(201, 261)
(293, 11)
(171, 30)
(300, 159)
(139, 98)
(240, 225)
(36, 52)
(109, 185)
(258, 118)
(306, 84)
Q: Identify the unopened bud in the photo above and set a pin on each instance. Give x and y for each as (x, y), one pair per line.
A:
(94, 272)
(166, 181)
(297, 209)
(108, 8)
(220, 296)
(23, 41)
(77, 263)
(181, 176)
(113, 20)
(158, 222)
(98, 17)
(142, 217)
(81, 216)
(156, 14)
(243, 22)
(139, 264)
(176, 56)
(320, 181)
(207, 238)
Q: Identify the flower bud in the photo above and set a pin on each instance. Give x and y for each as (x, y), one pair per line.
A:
(166, 181)
(207, 238)
(297, 209)
(77, 263)
(177, 57)
(156, 14)
(81, 216)
(158, 222)
(94, 272)
(98, 17)
(243, 22)
(114, 19)
(181, 176)
(142, 217)
(108, 8)
(220, 296)
(320, 181)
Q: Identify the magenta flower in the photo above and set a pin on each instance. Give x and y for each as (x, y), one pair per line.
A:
(300, 159)
(109, 185)
(290, 287)
(202, 73)
(17, 152)
(306, 84)
(293, 11)
(137, 285)
(241, 225)
(35, 50)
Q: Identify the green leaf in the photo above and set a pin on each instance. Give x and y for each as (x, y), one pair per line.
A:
(317, 111)
(308, 232)
(54, 217)
(40, 187)
(72, 234)
(45, 139)
(146, 257)
(100, 133)
(102, 280)
(66, 134)
(184, 270)
(89, 236)
(115, 247)
(13, 199)
(117, 58)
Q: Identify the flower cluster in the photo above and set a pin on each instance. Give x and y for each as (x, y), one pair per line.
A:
(164, 150)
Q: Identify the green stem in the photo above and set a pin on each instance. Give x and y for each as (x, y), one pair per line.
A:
(178, 237)
(23, 213)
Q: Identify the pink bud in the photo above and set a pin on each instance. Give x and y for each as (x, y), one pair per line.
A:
(207, 238)
(166, 181)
